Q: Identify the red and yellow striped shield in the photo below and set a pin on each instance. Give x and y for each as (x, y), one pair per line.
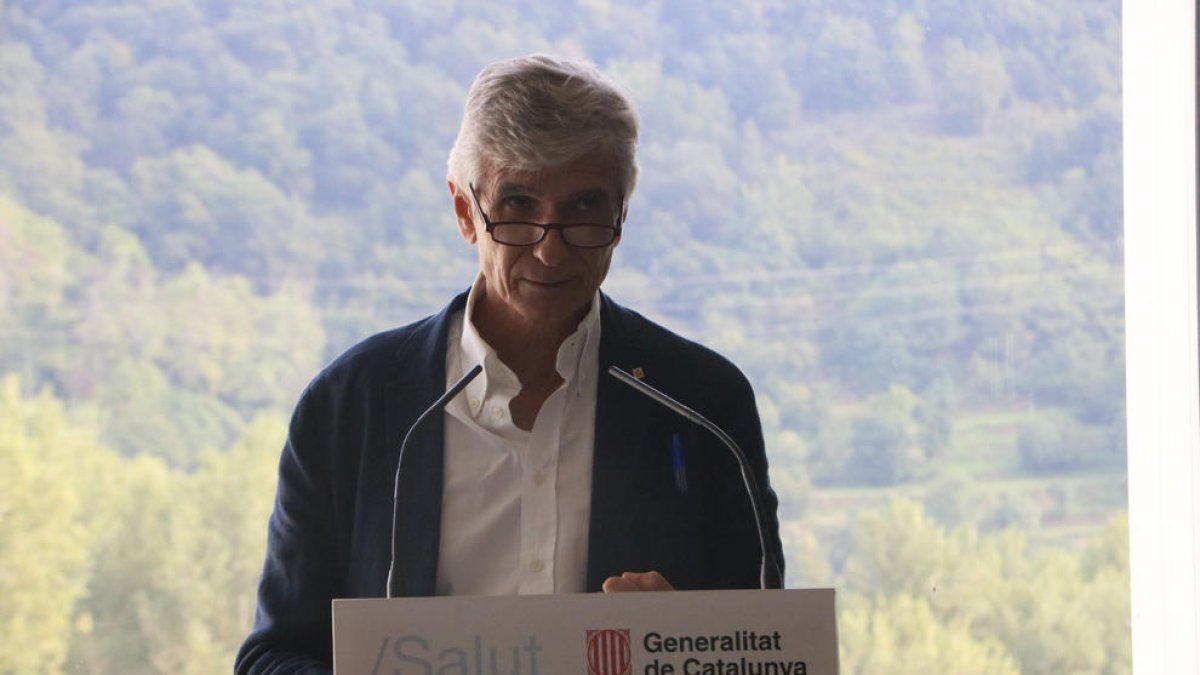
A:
(608, 652)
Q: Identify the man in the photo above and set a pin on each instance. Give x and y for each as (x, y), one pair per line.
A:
(545, 475)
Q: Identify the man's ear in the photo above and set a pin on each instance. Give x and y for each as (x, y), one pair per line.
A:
(462, 212)
(624, 213)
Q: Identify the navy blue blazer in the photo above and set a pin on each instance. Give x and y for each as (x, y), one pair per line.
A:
(329, 533)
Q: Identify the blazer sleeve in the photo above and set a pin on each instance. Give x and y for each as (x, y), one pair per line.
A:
(293, 623)
(732, 541)
(692, 521)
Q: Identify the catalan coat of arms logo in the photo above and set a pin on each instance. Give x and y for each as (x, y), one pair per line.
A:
(608, 652)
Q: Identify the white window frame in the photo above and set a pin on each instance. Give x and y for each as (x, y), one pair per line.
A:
(1163, 375)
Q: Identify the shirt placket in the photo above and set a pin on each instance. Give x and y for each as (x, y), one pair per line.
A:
(539, 499)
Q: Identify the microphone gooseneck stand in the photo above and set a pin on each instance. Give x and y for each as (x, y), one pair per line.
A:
(393, 580)
(769, 575)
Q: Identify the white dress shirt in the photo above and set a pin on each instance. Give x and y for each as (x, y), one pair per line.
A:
(515, 503)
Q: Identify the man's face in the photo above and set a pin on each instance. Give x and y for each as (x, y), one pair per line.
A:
(550, 282)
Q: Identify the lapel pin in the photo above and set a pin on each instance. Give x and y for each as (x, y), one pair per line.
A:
(638, 373)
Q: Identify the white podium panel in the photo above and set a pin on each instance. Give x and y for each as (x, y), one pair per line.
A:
(788, 632)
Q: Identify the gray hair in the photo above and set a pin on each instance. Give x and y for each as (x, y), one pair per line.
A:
(541, 112)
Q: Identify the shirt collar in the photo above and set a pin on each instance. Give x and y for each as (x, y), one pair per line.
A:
(498, 380)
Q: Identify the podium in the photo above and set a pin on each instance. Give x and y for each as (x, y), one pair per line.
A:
(777, 632)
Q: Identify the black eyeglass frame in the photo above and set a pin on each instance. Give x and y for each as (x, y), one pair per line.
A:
(490, 226)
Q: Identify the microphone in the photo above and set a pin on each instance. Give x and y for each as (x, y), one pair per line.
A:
(769, 575)
(392, 579)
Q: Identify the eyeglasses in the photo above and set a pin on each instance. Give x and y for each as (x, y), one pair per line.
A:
(523, 233)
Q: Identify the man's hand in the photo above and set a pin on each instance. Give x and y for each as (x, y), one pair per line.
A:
(637, 581)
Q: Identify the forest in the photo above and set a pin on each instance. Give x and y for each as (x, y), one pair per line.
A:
(901, 218)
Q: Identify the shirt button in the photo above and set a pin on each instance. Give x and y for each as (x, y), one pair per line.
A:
(537, 566)
(498, 412)
(474, 404)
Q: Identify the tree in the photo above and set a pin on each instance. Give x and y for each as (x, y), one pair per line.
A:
(908, 72)
(198, 207)
(841, 67)
(128, 614)
(900, 551)
(21, 79)
(175, 559)
(886, 440)
(1053, 611)
(250, 351)
(973, 87)
(36, 269)
(901, 635)
(44, 545)
(217, 569)
(1105, 563)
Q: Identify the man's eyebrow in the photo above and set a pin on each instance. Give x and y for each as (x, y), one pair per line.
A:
(593, 192)
(506, 189)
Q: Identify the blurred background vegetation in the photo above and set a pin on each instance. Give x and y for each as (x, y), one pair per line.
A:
(902, 218)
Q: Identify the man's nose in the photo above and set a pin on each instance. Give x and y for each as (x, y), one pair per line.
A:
(552, 249)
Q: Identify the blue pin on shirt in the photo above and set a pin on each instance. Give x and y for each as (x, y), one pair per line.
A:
(678, 463)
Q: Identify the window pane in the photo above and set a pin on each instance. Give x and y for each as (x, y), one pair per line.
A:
(901, 219)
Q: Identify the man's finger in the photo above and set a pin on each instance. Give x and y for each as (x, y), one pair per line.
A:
(637, 581)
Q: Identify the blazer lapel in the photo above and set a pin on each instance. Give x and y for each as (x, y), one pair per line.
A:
(622, 424)
(419, 500)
